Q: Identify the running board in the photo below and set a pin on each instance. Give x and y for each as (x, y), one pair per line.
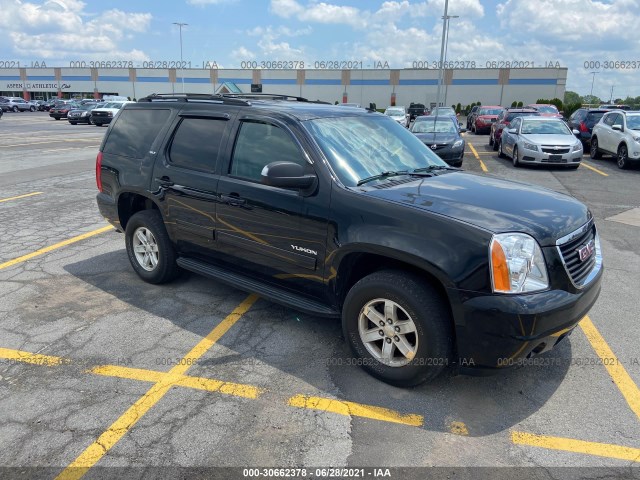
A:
(275, 294)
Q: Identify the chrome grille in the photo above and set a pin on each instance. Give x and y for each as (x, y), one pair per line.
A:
(579, 270)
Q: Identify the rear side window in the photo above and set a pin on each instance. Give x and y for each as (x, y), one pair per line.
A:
(196, 142)
(259, 144)
(134, 132)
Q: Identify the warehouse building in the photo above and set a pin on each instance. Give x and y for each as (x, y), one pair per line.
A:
(500, 86)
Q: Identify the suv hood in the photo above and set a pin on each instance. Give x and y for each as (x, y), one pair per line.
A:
(492, 204)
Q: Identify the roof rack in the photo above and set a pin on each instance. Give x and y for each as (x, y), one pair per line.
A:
(193, 97)
(270, 96)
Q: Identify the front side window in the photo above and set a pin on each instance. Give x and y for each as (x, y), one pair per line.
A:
(196, 142)
(257, 145)
(359, 147)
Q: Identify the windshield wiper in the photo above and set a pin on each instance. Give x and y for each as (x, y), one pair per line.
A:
(389, 173)
(431, 168)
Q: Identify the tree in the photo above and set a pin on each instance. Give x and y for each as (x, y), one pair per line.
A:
(514, 104)
(458, 108)
(571, 97)
(519, 104)
(592, 100)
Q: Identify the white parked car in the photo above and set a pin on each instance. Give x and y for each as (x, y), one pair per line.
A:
(104, 115)
(399, 114)
(541, 140)
(618, 134)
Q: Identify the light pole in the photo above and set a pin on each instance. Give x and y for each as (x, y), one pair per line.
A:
(440, 72)
(446, 48)
(180, 25)
(592, 80)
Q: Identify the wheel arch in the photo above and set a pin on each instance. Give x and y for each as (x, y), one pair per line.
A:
(130, 203)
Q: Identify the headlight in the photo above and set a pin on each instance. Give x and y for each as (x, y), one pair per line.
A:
(517, 264)
(577, 147)
(636, 139)
(457, 143)
(84, 114)
(530, 146)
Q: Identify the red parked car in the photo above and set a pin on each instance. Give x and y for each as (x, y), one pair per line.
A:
(487, 115)
(503, 121)
(546, 110)
(61, 110)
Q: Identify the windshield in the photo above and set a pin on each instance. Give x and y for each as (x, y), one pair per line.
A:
(360, 147)
(116, 105)
(547, 109)
(544, 128)
(443, 111)
(395, 112)
(490, 111)
(633, 122)
(431, 126)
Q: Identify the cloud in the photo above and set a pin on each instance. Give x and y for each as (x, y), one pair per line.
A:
(58, 29)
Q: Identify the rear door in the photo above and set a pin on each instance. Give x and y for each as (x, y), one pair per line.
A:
(186, 175)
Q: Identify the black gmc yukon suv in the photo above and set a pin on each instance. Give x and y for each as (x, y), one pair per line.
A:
(342, 212)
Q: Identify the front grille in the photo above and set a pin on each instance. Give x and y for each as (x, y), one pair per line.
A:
(100, 114)
(577, 269)
(553, 150)
(436, 146)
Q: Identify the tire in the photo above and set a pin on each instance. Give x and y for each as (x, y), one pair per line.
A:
(73, 123)
(491, 142)
(500, 151)
(57, 118)
(146, 229)
(90, 121)
(32, 109)
(97, 124)
(15, 109)
(594, 153)
(495, 145)
(622, 159)
(516, 162)
(422, 311)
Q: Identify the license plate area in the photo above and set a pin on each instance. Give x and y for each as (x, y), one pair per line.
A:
(555, 158)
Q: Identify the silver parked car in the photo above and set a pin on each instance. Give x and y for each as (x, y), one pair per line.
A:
(17, 104)
(399, 114)
(541, 140)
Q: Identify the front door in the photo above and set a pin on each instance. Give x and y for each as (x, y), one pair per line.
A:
(271, 232)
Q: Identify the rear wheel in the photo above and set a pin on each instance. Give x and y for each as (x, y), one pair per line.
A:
(150, 250)
(594, 153)
(15, 109)
(623, 157)
(399, 327)
(516, 162)
(491, 142)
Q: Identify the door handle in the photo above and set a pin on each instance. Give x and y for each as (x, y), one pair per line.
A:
(164, 181)
(233, 199)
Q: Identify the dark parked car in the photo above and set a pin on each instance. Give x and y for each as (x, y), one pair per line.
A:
(472, 116)
(345, 213)
(60, 110)
(442, 136)
(416, 110)
(583, 120)
(81, 114)
(503, 121)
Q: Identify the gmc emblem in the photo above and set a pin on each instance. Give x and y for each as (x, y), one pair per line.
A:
(586, 251)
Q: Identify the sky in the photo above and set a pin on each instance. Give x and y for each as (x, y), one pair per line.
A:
(583, 35)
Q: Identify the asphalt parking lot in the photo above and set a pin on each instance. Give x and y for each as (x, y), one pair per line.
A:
(98, 369)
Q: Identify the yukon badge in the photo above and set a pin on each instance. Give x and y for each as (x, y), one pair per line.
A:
(305, 250)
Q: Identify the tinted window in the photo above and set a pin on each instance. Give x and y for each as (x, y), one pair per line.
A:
(593, 118)
(259, 144)
(609, 119)
(134, 131)
(195, 144)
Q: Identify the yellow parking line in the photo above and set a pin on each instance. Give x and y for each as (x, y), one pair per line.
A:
(584, 164)
(20, 196)
(94, 452)
(32, 358)
(620, 377)
(342, 407)
(55, 246)
(576, 446)
(482, 165)
(459, 428)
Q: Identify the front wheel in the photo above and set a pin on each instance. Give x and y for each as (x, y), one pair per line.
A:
(149, 248)
(15, 109)
(32, 109)
(57, 118)
(500, 151)
(399, 327)
(594, 153)
(623, 157)
(516, 162)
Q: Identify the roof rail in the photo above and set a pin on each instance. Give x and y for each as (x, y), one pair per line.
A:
(193, 97)
(264, 96)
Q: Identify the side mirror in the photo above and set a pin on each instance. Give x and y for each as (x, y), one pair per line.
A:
(617, 127)
(461, 129)
(513, 130)
(576, 132)
(286, 175)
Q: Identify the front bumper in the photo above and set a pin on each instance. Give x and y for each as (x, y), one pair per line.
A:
(496, 331)
(530, 156)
